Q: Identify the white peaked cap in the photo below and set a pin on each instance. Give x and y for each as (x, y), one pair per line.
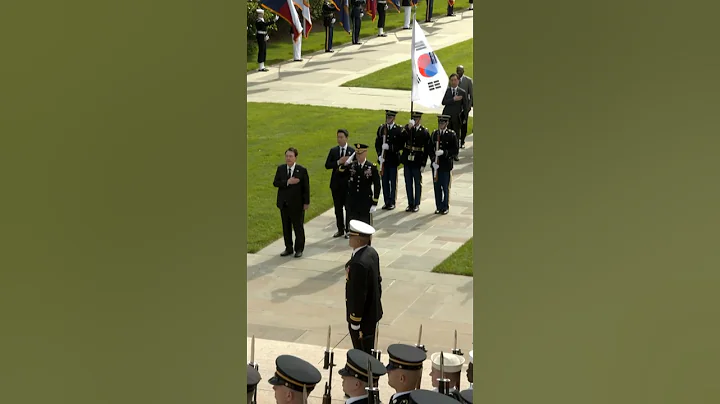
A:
(260, 11)
(471, 357)
(452, 363)
(361, 228)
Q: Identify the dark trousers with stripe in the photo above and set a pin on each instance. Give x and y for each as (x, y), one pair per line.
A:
(356, 23)
(442, 191)
(381, 14)
(364, 338)
(451, 8)
(389, 184)
(328, 37)
(413, 182)
(262, 48)
(429, 10)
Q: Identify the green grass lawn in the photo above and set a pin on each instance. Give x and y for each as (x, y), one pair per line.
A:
(280, 48)
(272, 128)
(459, 263)
(398, 76)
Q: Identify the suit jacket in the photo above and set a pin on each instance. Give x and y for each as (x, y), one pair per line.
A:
(338, 178)
(394, 140)
(466, 84)
(363, 288)
(294, 195)
(449, 144)
(452, 107)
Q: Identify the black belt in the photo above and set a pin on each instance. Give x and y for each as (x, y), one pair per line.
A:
(415, 148)
(262, 32)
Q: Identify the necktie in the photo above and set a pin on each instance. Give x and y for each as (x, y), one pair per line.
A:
(342, 151)
(289, 172)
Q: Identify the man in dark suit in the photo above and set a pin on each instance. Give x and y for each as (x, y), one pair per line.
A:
(363, 287)
(363, 185)
(336, 158)
(466, 84)
(456, 103)
(293, 199)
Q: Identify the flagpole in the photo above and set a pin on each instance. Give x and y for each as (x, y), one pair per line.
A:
(412, 74)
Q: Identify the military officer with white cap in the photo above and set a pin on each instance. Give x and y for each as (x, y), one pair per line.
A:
(253, 378)
(470, 370)
(451, 369)
(293, 378)
(261, 35)
(404, 370)
(363, 287)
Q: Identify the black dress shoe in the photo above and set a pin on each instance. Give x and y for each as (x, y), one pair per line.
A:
(285, 253)
(456, 158)
(384, 207)
(391, 207)
(263, 70)
(339, 234)
(409, 209)
(437, 212)
(329, 51)
(416, 209)
(446, 211)
(298, 254)
(347, 235)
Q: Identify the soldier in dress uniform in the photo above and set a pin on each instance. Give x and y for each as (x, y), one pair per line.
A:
(355, 376)
(356, 15)
(363, 185)
(407, 9)
(404, 370)
(471, 5)
(293, 376)
(388, 151)
(429, 11)
(253, 378)
(443, 162)
(470, 370)
(328, 10)
(261, 35)
(381, 9)
(451, 8)
(430, 397)
(452, 369)
(363, 287)
(416, 139)
(297, 43)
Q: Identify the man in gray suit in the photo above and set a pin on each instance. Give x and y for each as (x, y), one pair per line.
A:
(466, 84)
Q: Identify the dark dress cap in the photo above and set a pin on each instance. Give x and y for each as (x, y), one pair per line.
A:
(403, 356)
(430, 397)
(253, 378)
(390, 113)
(443, 118)
(466, 396)
(295, 373)
(361, 146)
(417, 114)
(357, 365)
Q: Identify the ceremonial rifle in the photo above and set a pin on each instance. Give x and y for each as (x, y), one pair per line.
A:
(376, 353)
(254, 365)
(382, 154)
(373, 392)
(456, 350)
(437, 158)
(422, 347)
(328, 364)
(443, 383)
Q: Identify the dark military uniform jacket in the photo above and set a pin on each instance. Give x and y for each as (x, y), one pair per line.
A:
(261, 30)
(358, 4)
(454, 393)
(363, 287)
(416, 146)
(400, 398)
(406, 3)
(394, 140)
(363, 400)
(449, 144)
(328, 12)
(363, 185)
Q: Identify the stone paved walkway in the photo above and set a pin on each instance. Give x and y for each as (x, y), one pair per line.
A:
(291, 302)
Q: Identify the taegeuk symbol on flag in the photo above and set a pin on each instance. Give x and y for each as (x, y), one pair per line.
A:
(429, 78)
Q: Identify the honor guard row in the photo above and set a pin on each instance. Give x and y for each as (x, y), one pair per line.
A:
(294, 378)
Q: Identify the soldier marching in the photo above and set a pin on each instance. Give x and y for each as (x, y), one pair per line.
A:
(416, 139)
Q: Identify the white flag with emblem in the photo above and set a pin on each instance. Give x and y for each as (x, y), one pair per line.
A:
(429, 78)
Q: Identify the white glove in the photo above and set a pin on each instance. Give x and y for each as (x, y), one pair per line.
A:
(435, 166)
(333, 21)
(439, 153)
(373, 208)
(412, 122)
(267, 37)
(355, 327)
(381, 160)
(386, 7)
(385, 146)
(423, 169)
(277, 17)
(362, 15)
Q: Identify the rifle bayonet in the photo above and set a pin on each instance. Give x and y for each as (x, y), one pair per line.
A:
(455, 350)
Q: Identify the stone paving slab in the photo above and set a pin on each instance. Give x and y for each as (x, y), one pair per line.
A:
(267, 350)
